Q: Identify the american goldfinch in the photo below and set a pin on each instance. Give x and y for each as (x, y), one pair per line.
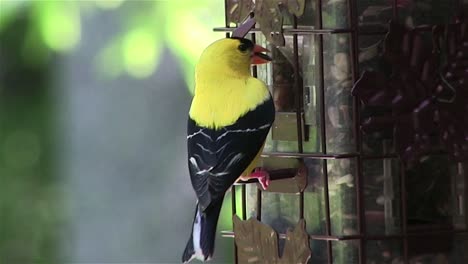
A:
(229, 119)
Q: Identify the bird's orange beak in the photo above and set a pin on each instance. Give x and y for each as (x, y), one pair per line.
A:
(258, 57)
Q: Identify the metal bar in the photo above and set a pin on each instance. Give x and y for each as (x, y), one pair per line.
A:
(295, 155)
(395, 155)
(233, 205)
(259, 192)
(327, 204)
(314, 31)
(291, 31)
(430, 234)
(298, 103)
(254, 68)
(309, 31)
(371, 32)
(404, 219)
(323, 137)
(463, 171)
(233, 200)
(379, 156)
(259, 204)
(277, 174)
(244, 196)
(244, 202)
(395, 9)
(360, 210)
(301, 205)
(308, 155)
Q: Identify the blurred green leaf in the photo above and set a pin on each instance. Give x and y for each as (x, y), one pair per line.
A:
(109, 4)
(8, 10)
(34, 52)
(141, 50)
(106, 62)
(190, 31)
(59, 24)
(183, 26)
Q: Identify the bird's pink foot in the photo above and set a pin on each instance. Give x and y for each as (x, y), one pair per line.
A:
(262, 176)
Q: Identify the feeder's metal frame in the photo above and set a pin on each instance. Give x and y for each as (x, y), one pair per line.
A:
(362, 236)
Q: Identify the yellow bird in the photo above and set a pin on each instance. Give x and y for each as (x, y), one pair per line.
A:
(229, 119)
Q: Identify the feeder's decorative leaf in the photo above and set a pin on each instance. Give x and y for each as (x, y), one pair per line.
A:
(258, 243)
(268, 13)
(295, 7)
(296, 249)
(269, 17)
(243, 29)
(237, 10)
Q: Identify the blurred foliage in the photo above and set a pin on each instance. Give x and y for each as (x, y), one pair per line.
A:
(34, 211)
(32, 218)
(182, 26)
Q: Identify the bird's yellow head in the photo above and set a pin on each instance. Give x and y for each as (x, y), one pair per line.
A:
(224, 87)
(231, 56)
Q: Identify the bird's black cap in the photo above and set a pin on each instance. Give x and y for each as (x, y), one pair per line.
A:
(246, 44)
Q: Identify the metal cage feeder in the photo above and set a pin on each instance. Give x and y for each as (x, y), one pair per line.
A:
(368, 153)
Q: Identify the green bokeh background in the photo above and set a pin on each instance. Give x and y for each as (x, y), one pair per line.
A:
(93, 103)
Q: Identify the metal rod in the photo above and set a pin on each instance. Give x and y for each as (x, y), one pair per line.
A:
(298, 87)
(277, 174)
(244, 202)
(327, 211)
(301, 205)
(254, 68)
(393, 155)
(244, 195)
(291, 31)
(362, 28)
(298, 103)
(360, 208)
(233, 200)
(463, 170)
(330, 156)
(308, 155)
(429, 234)
(314, 31)
(233, 205)
(404, 218)
(395, 9)
(259, 192)
(259, 204)
(379, 156)
(323, 137)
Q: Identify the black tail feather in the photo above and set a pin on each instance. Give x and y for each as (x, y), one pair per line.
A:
(206, 222)
(189, 251)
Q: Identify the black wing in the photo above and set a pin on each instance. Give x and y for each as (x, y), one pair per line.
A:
(217, 158)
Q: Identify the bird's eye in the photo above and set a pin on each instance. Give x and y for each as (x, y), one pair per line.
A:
(243, 47)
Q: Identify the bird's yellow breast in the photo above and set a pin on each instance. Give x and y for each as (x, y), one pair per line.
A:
(219, 103)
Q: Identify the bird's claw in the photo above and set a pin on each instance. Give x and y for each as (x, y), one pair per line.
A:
(262, 176)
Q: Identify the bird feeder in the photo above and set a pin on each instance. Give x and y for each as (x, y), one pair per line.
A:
(368, 155)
